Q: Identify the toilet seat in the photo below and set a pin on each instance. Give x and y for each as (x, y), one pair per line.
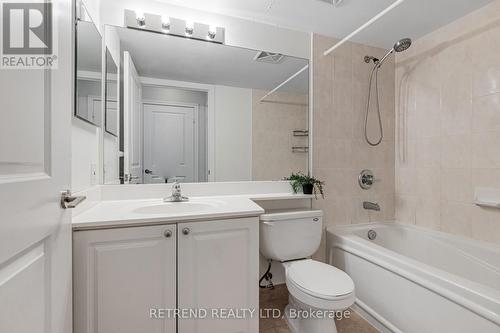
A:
(319, 285)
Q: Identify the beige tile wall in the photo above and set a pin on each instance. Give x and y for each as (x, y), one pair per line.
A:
(448, 126)
(273, 124)
(340, 152)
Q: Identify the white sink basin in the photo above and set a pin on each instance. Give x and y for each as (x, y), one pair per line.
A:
(177, 207)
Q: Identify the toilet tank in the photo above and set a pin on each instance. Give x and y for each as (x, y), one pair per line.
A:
(291, 234)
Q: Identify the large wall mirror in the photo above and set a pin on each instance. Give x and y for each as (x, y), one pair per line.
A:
(195, 111)
(88, 70)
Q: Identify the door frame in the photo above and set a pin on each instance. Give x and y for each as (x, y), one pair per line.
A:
(210, 90)
(196, 129)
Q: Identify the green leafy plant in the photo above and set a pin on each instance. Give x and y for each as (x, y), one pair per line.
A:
(299, 180)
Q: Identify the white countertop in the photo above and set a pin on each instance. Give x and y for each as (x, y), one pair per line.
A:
(119, 213)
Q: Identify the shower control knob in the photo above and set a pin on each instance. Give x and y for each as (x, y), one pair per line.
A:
(167, 233)
(366, 179)
(186, 231)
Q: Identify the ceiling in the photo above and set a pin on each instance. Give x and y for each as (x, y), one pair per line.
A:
(414, 18)
(181, 59)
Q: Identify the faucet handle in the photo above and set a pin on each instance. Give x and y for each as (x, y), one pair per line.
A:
(176, 194)
(366, 179)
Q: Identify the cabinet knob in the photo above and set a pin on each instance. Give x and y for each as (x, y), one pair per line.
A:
(186, 231)
(167, 233)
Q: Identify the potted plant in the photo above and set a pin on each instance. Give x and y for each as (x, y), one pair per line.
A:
(308, 184)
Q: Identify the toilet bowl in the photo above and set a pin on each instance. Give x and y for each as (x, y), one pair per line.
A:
(317, 291)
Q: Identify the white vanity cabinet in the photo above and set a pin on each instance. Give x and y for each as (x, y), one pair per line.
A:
(120, 274)
(219, 269)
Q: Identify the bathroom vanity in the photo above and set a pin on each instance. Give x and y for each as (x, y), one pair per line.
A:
(124, 276)
(137, 259)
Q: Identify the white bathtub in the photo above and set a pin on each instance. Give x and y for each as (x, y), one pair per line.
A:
(414, 280)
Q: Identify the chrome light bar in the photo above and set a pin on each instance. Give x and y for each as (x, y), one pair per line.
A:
(174, 26)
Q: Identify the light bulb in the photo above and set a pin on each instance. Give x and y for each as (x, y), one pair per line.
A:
(212, 32)
(165, 26)
(189, 28)
(141, 20)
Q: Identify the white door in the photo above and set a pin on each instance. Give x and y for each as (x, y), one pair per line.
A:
(133, 121)
(123, 274)
(36, 107)
(170, 143)
(218, 268)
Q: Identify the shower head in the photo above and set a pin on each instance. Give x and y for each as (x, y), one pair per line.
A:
(402, 45)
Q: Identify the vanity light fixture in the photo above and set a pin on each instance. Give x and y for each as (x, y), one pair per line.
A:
(174, 26)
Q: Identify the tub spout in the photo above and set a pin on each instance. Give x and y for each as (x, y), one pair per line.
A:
(371, 206)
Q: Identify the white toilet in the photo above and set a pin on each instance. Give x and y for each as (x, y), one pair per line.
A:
(317, 290)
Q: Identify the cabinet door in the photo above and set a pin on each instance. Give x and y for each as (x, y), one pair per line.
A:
(120, 275)
(218, 269)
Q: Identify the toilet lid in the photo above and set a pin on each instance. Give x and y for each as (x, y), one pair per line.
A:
(319, 280)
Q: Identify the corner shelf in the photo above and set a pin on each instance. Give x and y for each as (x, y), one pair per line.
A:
(300, 133)
(487, 204)
(487, 197)
(300, 149)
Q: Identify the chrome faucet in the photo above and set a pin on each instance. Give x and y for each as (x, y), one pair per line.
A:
(176, 194)
(371, 206)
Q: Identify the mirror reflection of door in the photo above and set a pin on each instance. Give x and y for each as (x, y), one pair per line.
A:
(170, 143)
(133, 120)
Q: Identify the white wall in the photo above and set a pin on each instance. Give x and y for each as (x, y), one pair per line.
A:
(111, 159)
(239, 32)
(84, 156)
(233, 134)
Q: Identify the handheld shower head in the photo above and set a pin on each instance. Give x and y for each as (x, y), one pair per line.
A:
(402, 45)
